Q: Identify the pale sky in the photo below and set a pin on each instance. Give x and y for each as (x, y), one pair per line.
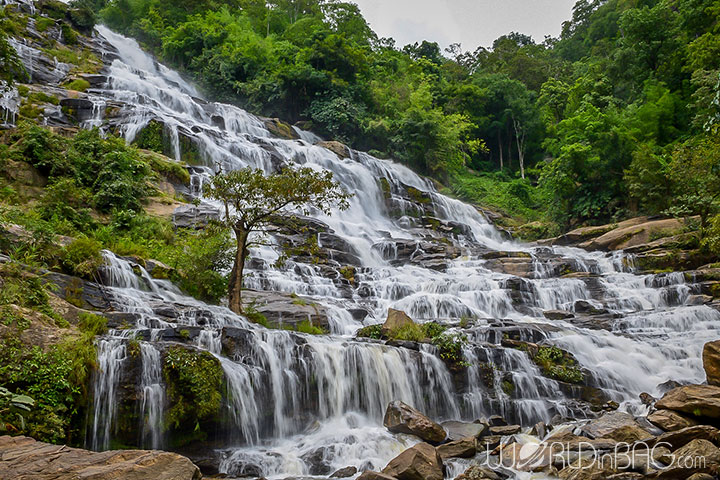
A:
(469, 22)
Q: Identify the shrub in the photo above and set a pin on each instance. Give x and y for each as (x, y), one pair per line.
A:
(307, 327)
(370, 331)
(79, 85)
(433, 329)
(82, 257)
(254, 316)
(43, 150)
(197, 259)
(92, 324)
(558, 364)
(450, 346)
(409, 332)
(56, 379)
(194, 382)
(64, 200)
(23, 289)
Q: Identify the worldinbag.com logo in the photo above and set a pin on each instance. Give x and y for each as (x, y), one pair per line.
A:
(638, 456)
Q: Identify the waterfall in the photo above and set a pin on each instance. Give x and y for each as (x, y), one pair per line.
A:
(153, 396)
(293, 398)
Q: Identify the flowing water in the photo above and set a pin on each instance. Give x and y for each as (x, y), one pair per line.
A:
(296, 401)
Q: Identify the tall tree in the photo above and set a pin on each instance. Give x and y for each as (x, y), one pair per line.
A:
(252, 199)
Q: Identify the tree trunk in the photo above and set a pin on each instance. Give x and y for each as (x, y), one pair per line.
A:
(236, 276)
(501, 151)
(521, 157)
(520, 140)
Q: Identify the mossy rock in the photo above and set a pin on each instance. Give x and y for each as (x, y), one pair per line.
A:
(339, 149)
(281, 129)
(194, 380)
(385, 187)
(418, 196)
(152, 137)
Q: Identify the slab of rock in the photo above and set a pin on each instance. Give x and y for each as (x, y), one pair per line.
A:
(421, 462)
(670, 421)
(459, 430)
(281, 129)
(157, 269)
(619, 426)
(402, 418)
(396, 319)
(631, 233)
(698, 456)
(711, 362)
(580, 234)
(696, 300)
(282, 310)
(464, 448)
(190, 216)
(23, 458)
(696, 400)
(558, 314)
(680, 438)
(505, 429)
(476, 472)
(339, 149)
(344, 472)
(369, 475)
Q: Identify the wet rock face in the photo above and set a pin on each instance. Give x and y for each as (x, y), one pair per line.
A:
(286, 310)
(402, 418)
(428, 254)
(27, 458)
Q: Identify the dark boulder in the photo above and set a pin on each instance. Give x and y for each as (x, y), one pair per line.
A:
(402, 418)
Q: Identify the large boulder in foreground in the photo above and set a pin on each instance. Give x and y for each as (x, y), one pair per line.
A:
(421, 462)
(670, 421)
(698, 456)
(696, 400)
(680, 438)
(619, 426)
(464, 448)
(711, 362)
(402, 418)
(23, 458)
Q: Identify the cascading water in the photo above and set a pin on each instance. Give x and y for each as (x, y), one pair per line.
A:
(293, 397)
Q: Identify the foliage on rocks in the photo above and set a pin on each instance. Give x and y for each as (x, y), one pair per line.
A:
(557, 364)
(194, 388)
(82, 257)
(56, 378)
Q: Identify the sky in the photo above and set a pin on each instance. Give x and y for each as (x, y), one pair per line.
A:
(472, 23)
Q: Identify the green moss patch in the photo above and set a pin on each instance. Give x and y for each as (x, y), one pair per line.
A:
(194, 381)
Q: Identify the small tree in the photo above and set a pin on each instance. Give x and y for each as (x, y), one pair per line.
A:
(252, 200)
